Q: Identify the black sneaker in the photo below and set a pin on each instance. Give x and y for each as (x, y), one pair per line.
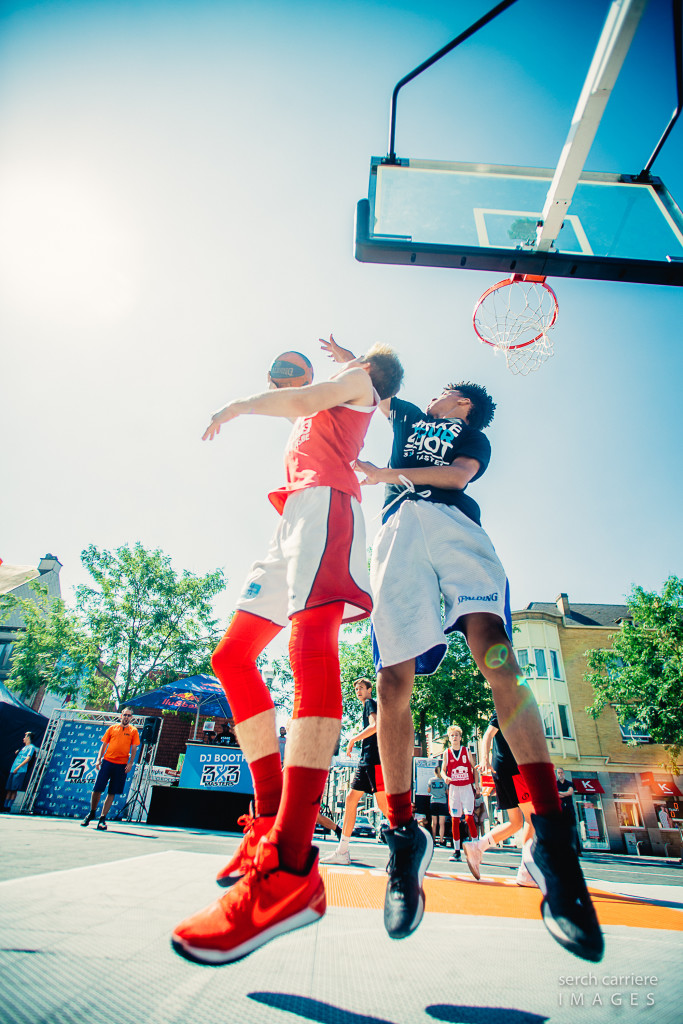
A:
(411, 850)
(86, 820)
(552, 861)
(456, 855)
(102, 824)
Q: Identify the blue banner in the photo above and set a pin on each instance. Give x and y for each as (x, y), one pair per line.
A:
(222, 768)
(70, 776)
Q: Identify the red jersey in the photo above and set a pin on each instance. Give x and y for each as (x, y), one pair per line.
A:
(458, 767)
(322, 449)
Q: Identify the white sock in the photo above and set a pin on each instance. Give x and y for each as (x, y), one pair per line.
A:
(344, 842)
(486, 841)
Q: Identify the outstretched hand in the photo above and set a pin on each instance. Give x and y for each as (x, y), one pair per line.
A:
(214, 427)
(372, 472)
(335, 351)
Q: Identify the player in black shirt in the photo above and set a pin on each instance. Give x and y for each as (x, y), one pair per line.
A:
(431, 552)
(368, 777)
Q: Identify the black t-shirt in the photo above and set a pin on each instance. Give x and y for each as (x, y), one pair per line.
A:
(502, 759)
(423, 440)
(369, 751)
(562, 788)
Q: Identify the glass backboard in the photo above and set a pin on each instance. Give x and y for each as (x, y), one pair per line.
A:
(485, 217)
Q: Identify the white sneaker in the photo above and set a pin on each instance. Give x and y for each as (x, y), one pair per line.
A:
(338, 857)
(473, 855)
(524, 876)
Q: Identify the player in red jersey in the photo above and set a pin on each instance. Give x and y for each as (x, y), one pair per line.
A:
(458, 769)
(315, 574)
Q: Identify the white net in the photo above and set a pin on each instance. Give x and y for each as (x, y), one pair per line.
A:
(514, 317)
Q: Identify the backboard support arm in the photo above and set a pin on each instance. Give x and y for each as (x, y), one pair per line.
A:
(622, 21)
(677, 6)
(493, 13)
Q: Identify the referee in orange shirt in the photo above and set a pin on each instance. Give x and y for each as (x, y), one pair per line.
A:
(114, 760)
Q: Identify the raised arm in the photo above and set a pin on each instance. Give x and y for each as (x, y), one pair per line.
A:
(352, 386)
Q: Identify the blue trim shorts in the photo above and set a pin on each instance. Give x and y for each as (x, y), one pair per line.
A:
(426, 551)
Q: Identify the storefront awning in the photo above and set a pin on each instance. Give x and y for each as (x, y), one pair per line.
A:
(660, 787)
(587, 787)
(487, 786)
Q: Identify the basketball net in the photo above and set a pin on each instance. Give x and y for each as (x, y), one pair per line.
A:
(514, 317)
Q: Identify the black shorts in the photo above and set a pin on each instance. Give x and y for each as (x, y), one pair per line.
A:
(508, 791)
(438, 810)
(368, 779)
(114, 774)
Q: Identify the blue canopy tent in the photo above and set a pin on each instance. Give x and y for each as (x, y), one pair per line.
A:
(202, 694)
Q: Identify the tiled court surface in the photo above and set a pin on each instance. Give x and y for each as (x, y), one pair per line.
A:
(89, 943)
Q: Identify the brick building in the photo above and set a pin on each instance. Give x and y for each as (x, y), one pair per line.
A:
(619, 788)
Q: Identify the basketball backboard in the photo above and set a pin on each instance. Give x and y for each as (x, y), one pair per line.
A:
(561, 222)
(485, 217)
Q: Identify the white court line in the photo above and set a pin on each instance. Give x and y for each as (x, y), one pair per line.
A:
(87, 867)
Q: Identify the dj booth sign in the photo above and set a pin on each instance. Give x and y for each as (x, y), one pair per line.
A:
(215, 768)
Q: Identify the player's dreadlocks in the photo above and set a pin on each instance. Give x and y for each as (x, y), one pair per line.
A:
(483, 406)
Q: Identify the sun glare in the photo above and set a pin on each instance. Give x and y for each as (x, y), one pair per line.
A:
(69, 251)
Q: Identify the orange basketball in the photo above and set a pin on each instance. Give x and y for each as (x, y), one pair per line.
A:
(291, 370)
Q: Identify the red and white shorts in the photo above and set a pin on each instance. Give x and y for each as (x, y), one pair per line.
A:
(317, 556)
(460, 800)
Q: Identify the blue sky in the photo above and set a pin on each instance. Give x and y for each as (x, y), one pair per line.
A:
(177, 191)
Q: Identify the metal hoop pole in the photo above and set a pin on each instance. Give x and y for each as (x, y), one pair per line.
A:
(678, 48)
(493, 13)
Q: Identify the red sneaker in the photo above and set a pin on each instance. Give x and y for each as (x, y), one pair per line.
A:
(265, 903)
(254, 829)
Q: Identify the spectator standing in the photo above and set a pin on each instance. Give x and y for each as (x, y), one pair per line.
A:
(18, 773)
(566, 791)
(438, 805)
(115, 759)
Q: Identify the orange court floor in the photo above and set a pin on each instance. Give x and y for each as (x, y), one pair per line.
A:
(492, 896)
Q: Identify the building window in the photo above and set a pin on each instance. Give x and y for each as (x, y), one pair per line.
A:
(549, 724)
(633, 731)
(539, 658)
(555, 665)
(563, 711)
(628, 810)
(5, 653)
(523, 658)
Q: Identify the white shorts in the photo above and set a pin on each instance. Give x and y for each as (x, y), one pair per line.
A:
(460, 801)
(317, 556)
(426, 550)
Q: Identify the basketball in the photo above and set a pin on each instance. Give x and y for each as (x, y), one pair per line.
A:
(291, 370)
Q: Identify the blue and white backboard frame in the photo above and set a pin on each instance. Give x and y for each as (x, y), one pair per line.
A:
(484, 217)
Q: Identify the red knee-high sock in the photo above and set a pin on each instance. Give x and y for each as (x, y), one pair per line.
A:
(455, 828)
(302, 792)
(266, 773)
(471, 824)
(314, 657)
(399, 809)
(540, 781)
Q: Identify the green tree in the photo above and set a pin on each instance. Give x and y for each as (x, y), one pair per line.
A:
(52, 650)
(456, 692)
(641, 675)
(147, 618)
